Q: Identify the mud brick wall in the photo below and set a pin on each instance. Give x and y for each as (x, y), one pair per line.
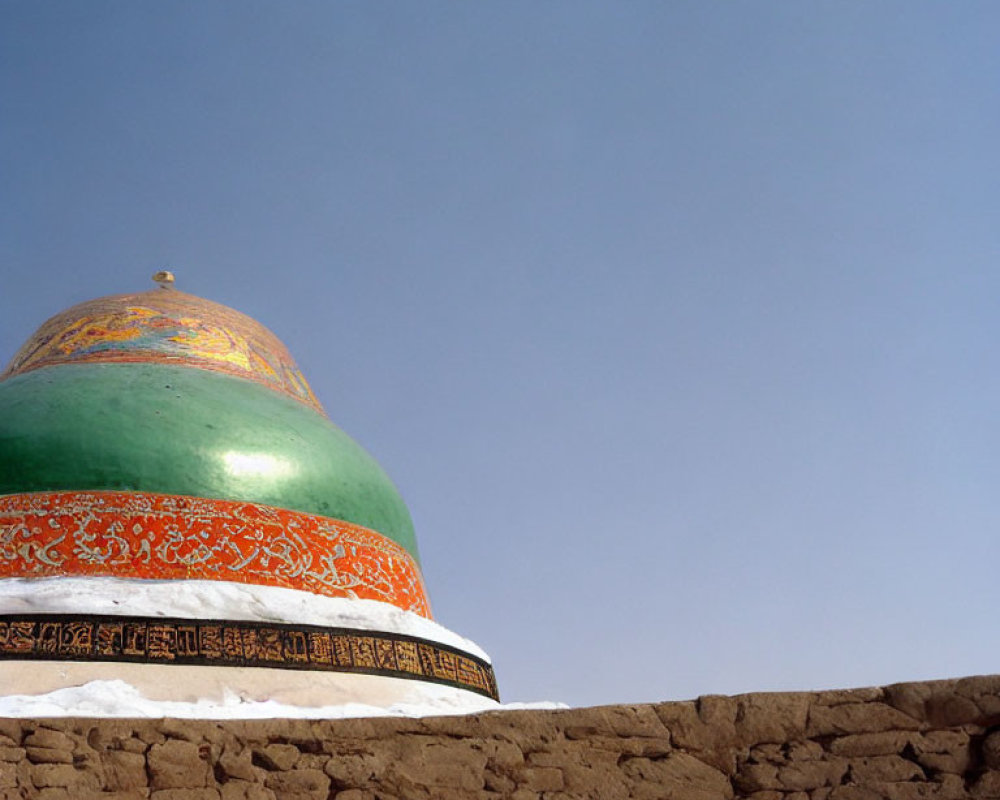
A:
(902, 742)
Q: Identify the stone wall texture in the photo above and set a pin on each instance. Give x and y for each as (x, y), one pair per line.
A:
(916, 740)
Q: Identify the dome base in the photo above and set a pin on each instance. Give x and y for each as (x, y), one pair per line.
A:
(131, 690)
(59, 626)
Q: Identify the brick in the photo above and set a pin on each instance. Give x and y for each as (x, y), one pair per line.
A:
(811, 774)
(123, 771)
(48, 755)
(63, 775)
(240, 765)
(947, 709)
(299, 783)
(45, 737)
(12, 754)
(176, 764)
(245, 790)
(884, 769)
(276, 756)
(540, 779)
(871, 744)
(857, 718)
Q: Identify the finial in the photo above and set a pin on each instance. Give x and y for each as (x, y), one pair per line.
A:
(165, 278)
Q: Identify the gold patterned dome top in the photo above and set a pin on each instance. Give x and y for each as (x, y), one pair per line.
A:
(165, 326)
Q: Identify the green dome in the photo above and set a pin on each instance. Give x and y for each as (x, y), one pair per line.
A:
(128, 402)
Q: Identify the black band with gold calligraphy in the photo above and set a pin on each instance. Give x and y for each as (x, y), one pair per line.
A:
(229, 643)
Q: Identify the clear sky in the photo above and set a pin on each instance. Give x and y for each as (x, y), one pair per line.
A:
(674, 322)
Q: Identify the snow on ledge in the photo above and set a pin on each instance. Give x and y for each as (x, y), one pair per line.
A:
(200, 599)
(116, 698)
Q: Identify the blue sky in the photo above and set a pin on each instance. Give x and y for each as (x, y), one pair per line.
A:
(675, 323)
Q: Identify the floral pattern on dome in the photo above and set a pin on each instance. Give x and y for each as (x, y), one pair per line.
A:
(165, 326)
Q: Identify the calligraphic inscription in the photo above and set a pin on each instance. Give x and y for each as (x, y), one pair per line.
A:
(167, 328)
(158, 536)
(224, 643)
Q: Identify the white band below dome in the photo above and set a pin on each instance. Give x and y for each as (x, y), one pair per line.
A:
(200, 599)
(75, 689)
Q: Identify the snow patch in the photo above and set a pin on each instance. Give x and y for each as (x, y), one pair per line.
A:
(117, 698)
(200, 599)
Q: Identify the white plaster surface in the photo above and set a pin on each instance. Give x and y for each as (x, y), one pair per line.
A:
(198, 599)
(61, 688)
(117, 698)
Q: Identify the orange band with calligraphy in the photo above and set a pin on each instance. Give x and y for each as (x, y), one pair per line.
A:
(158, 536)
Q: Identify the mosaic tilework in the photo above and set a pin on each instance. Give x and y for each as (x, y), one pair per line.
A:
(165, 326)
(157, 536)
(158, 640)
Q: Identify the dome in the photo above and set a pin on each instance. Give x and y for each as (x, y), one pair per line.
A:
(158, 443)
(162, 391)
(164, 326)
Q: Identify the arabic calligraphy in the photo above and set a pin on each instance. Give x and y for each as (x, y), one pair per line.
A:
(226, 643)
(158, 536)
